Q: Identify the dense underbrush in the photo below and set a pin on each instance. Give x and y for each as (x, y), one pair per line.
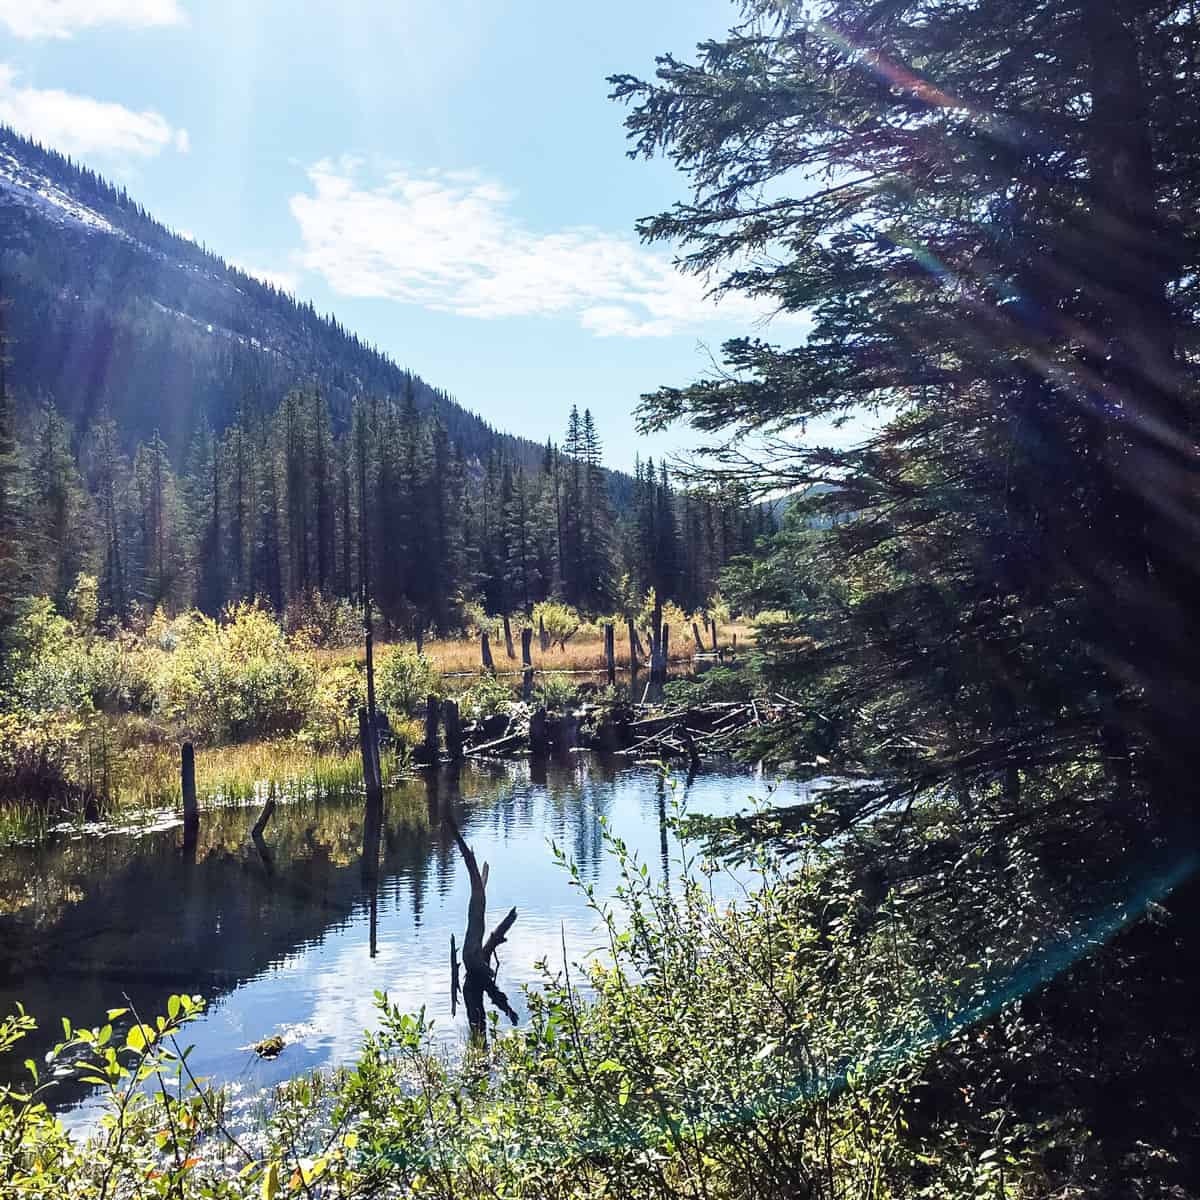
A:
(833, 1035)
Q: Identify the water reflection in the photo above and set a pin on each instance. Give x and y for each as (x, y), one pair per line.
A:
(293, 932)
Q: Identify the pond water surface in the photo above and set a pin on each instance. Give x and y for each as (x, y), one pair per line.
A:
(296, 943)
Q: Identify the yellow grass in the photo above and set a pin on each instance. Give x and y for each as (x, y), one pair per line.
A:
(229, 772)
(583, 652)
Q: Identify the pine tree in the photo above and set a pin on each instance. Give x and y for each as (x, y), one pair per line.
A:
(992, 257)
(11, 506)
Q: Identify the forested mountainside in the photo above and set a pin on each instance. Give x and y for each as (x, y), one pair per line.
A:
(187, 434)
(115, 313)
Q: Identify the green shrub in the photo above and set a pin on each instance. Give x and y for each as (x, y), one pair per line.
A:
(561, 620)
(485, 697)
(235, 679)
(555, 691)
(42, 656)
(403, 680)
(332, 720)
(312, 620)
(719, 684)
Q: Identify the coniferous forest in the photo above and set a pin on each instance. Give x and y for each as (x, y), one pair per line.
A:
(840, 820)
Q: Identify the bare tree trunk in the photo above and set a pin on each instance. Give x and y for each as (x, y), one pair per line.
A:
(191, 812)
(610, 657)
(508, 639)
(486, 651)
(527, 647)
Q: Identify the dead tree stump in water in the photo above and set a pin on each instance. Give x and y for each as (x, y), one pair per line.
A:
(635, 646)
(478, 951)
(539, 739)
(191, 812)
(263, 818)
(453, 725)
(610, 654)
(369, 746)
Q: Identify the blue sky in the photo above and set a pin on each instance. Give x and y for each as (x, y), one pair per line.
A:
(448, 178)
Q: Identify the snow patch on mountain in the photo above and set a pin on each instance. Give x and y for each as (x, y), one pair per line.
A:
(32, 189)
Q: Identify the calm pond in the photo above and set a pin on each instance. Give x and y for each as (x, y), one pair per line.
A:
(295, 944)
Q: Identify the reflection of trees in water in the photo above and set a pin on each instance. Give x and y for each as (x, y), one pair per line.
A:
(86, 919)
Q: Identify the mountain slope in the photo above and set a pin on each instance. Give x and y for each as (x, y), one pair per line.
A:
(111, 309)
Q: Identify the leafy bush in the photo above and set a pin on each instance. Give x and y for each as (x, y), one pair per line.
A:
(555, 691)
(235, 679)
(332, 720)
(42, 649)
(486, 696)
(719, 684)
(312, 620)
(403, 680)
(561, 620)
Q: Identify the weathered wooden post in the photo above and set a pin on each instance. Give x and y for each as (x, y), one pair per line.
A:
(610, 653)
(527, 647)
(696, 635)
(486, 651)
(263, 817)
(431, 729)
(538, 738)
(666, 651)
(714, 633)
(453, 724)
(191, 812)
(508, 642)
(543, 636)
(369, 746)
(527, 685)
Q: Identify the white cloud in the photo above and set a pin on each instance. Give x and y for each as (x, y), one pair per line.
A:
(77, 125)
(63, 18)
(285, 281)
(451, 242)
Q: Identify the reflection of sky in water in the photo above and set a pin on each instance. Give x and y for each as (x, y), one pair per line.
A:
(320, 993)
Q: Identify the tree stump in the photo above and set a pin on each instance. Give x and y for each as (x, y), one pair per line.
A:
(191, 811)
(527, 647)
(485, 650)
(453, 725)
(539, 741)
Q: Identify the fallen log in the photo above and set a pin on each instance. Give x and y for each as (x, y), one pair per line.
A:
(505, 743)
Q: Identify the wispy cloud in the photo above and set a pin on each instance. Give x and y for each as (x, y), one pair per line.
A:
(78, 124)
(64, 18)
(451, 241)
(285, 281)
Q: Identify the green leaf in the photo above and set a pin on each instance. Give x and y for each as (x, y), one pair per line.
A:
(626, 1088)
(270, 1183)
